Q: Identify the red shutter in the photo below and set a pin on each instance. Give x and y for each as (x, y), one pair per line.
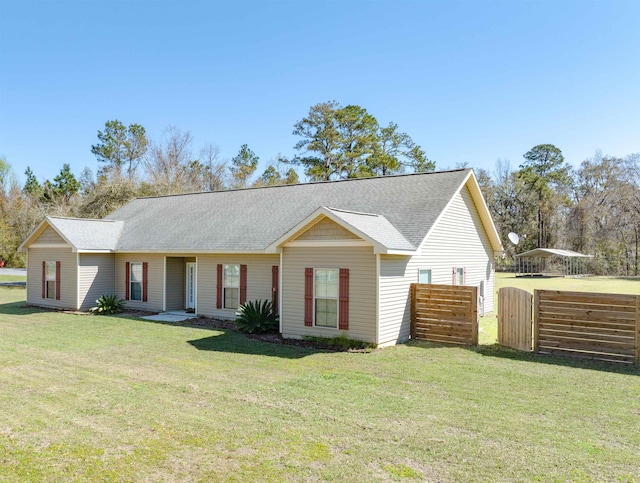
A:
(308, 297)
(57, 280)
(44, 280)
(464, 276)
(343, 300)
(453, 279)
(127, 280)
(243, 284)
(145, 284)
(219, 287)
(275, 282)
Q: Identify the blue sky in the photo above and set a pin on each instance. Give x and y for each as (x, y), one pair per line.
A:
(468, 81)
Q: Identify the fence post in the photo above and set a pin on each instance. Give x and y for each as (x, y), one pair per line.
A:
(637, 358)
(536, 321)
(413, 310)
(474, 315)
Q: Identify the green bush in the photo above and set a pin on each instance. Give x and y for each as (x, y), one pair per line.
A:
(108, 304)
(256, 317)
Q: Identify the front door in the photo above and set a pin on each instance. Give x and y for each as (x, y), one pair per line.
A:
(190, 291)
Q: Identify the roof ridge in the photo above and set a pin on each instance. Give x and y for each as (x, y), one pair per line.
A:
(308, 183)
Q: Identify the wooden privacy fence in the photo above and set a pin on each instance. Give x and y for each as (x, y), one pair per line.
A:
(514, 318)
(444, 313)
(576, 324)
(594, 325)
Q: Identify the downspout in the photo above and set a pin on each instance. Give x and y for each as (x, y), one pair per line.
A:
(377, 298)
(164, 285)
(280, 272)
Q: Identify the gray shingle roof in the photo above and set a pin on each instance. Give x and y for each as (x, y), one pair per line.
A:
(376, 227)
(252, 219)
(86, 234)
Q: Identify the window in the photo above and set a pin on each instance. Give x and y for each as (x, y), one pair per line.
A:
(136, 282)
(231, 286)
(460, 276)
(424, 275)
(50, 280)
(326, 297)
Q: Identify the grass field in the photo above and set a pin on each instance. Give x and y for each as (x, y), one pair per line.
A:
(114, 399)
(489, 325)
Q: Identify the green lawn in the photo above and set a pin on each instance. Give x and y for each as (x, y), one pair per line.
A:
(489, 325)
(114, 399)
(12, 278)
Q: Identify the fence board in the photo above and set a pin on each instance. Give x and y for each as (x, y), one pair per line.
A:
(444, 313)
(514, 318)
(582, 324)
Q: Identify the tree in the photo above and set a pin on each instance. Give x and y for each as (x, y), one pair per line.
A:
(214, 174)
(545, 173)
(395, 151)
(347, 142)
(121, 146)
(169, 161)
(31, 186)
(358, 131)
(320, 141)
(243, 165)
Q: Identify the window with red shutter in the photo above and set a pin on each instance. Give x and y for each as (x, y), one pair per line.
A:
(343, 316)
(219, 287)
(308, 297)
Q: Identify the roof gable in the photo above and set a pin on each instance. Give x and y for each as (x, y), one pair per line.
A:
(326, 229)
(79, 233)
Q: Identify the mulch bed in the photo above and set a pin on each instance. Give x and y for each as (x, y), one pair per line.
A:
(231, 325)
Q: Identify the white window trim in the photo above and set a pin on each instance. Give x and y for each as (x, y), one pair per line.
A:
(337, 299)
(430, 274)
(131, 281)
(50, 278)
(224, 286)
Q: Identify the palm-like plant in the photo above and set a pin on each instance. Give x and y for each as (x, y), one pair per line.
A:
(256, 317)
(108, 304)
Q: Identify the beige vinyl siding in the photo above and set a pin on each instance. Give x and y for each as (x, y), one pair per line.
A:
(327, 229)
(155, 279)
(458, 239)
(175, 283)
(258, 280)
(96, 277)
(50, 237)
(68, 277)
(361, 263)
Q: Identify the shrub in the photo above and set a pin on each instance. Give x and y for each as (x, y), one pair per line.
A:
(256, 317)
(108, 304)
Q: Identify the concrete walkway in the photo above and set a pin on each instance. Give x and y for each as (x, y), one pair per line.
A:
(173, 316)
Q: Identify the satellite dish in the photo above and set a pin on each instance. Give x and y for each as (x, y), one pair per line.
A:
(514, 238)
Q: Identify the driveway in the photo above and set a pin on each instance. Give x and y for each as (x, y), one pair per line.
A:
(14, 272)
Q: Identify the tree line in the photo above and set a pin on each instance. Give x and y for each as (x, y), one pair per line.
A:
(593, 208)
(336, 142)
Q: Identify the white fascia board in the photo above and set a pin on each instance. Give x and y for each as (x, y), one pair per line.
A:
(391, 251)
(38, 231)
(94, 251)
(483, 211)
